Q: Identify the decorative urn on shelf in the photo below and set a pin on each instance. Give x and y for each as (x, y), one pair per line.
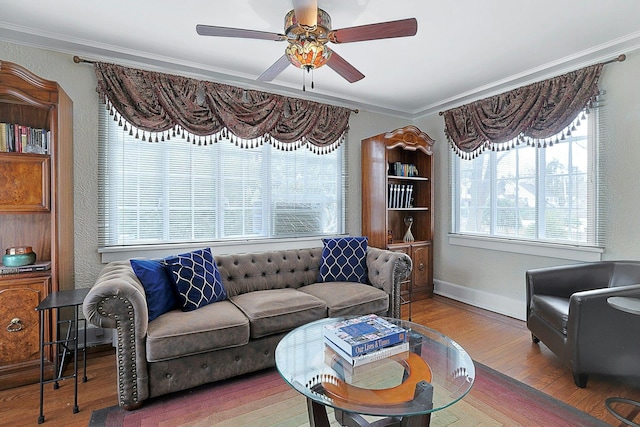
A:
(19, 256)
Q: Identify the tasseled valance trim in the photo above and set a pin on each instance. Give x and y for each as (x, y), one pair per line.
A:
(535, 114)
(155, 107)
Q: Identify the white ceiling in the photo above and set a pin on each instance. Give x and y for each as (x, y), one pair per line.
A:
(464, 49)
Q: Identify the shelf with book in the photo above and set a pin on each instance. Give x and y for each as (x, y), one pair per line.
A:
(18, 138)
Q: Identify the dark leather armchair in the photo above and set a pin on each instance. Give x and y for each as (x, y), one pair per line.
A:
(567, 310)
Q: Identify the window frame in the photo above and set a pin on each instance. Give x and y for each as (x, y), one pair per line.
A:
(577, 251)
(239, 243)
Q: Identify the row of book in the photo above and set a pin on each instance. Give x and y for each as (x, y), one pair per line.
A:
(403, 169)
(363, 340)
(38, 266)
(15, 138)
(400, 196)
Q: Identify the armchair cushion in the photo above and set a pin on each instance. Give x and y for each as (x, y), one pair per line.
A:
(567, 310)
(554, 310)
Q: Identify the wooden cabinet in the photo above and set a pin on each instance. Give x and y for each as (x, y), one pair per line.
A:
(397, 172)
(420, 284)
(36, 209)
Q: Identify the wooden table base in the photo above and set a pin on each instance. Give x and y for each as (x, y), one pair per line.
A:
(318, 418)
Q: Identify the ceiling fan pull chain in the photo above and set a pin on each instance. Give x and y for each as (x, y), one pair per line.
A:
(312, 87)
(304, 88)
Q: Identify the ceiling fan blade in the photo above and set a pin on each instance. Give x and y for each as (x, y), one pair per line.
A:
(211, 30)
(342, 67)
(382, 30)
(306, 12)
(273, 71)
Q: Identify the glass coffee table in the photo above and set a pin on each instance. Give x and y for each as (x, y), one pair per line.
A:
(400, 390)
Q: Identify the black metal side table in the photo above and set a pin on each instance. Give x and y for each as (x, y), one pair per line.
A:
(632, 306)
(63, 345)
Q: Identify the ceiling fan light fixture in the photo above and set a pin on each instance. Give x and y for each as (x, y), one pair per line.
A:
(308, 53)
(294, 28)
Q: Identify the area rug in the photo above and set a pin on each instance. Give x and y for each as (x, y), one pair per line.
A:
(265, 400)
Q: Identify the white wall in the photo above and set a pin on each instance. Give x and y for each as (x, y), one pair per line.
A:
(495, 279)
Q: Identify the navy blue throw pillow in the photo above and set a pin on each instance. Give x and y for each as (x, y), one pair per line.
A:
(344, 259)
(197, 279)
(157, 284)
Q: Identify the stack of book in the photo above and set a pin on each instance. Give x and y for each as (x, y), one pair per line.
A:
(38, 266)
(402, 169)
(400, 196)
(365, 339)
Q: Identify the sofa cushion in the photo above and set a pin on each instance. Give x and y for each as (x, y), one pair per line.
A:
(197, 279)
(278, 310)
(158, 286)
(347, 298)
(344, 259)
(554, 310)
(212, 327)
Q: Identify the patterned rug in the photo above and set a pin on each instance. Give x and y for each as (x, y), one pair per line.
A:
(263, 399)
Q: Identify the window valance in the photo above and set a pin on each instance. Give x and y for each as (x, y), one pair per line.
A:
(532, 113)
(164, 105)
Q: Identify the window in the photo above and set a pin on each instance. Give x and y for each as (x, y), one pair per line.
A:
(178, 192)
(546, 194)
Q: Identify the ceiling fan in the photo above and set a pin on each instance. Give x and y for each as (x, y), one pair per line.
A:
(307, 29)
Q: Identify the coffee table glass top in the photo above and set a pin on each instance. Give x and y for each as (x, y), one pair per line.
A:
(382, 388)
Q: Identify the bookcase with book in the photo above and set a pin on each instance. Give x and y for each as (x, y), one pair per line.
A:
(36, 210)
(397, 190)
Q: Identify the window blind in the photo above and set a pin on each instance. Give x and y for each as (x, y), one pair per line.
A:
(165, 192)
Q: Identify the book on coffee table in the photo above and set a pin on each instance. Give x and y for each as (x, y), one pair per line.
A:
(335, 354)
(364, 334)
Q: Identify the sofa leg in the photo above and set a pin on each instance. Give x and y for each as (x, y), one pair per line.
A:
(133, 406)
(580, 379)
(535, 339)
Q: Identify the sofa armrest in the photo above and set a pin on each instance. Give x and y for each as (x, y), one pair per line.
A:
(386, 271)
(117, 301)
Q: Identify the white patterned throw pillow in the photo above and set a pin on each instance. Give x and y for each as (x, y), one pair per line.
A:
(197, 279)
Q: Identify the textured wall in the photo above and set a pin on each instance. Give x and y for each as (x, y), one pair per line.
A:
(487, 272)
(492, 273)
(79, 81)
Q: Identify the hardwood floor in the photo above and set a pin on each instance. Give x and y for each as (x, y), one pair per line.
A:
(500, 342)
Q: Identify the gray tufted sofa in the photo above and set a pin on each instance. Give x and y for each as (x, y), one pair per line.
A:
(270, 293)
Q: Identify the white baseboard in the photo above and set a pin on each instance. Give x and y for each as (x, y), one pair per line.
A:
(485, 300)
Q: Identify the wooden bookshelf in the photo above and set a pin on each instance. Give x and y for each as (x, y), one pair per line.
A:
(36, 209)
(383, 220)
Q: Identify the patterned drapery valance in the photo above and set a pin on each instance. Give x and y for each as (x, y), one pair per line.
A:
(164, 105)
(532, 113)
